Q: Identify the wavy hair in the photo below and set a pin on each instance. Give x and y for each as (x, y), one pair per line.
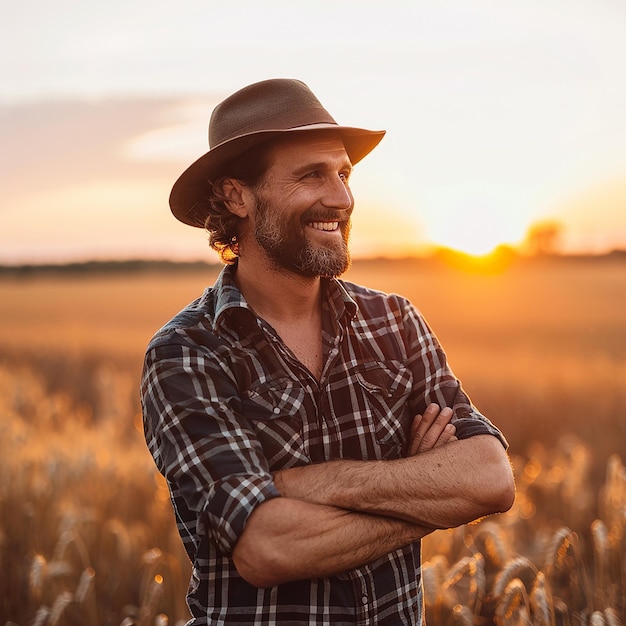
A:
(221, 224)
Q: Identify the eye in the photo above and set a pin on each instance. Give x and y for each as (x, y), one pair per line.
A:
(345, 177)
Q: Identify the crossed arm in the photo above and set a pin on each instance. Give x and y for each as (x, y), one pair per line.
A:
(343, 514)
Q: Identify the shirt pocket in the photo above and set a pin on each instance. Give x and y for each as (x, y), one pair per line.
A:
(386, 388)
(275, 409)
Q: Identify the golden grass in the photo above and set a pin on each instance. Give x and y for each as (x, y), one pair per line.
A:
(86, 528)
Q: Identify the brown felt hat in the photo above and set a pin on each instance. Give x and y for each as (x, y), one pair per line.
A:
(250, 116)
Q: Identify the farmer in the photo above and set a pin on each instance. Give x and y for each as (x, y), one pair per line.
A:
(310, 430)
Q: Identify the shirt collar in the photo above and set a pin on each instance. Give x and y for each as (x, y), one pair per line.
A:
(339, 300)
(229, 300)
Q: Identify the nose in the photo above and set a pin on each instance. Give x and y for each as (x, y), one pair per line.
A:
(337, 194)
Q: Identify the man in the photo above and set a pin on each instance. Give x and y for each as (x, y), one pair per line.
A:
(310, 430)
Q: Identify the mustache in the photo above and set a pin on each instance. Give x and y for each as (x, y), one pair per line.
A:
(321, 215)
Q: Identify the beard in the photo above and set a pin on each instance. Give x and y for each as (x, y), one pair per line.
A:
(286, 245)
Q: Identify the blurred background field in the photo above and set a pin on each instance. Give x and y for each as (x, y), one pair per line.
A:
(86, 530)
(504, 128)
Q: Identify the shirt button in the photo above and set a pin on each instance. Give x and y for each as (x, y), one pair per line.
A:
(364, 599)
(276, 411)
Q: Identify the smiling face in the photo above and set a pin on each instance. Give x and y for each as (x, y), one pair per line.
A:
(303, 206)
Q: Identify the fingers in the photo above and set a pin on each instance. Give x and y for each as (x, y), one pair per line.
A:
(448, 435)
(431, 429)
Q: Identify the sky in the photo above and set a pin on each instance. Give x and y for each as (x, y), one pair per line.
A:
(499, 115)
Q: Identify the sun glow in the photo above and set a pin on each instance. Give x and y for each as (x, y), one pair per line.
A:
(477, 232)
(474, 247)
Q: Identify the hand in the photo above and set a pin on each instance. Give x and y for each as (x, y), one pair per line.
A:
(432, 429)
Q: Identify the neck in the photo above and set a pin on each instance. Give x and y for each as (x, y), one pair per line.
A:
(290, 303)
(278, 295)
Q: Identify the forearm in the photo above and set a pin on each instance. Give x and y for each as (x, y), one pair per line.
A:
(287, 539)
(441, 488)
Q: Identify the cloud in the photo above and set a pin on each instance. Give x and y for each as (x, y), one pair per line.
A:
(91, 178)
(52, 144)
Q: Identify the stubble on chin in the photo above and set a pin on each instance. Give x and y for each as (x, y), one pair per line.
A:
(324, 261)
(288, 248)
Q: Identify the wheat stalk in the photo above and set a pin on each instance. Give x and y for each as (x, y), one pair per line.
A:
(41, 616)
(597, 619)
(85, 597)
(541, 605)
(115, 540)
(86, 586)
(612, 618)
(460, 616)
(70, 539)
(150, 600)
(512, 607)
(37, 577)
(566, 571)
(561, 612)
(520, 568)
(601, 585)
(433, 576)
(613, 494)
(491, 543)
(466, 582)
(61, 603)
(559, 550)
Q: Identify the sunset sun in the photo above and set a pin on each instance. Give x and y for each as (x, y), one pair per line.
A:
(478, 243)
(477, 232)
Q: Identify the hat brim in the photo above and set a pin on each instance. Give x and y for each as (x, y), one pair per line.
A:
(190, 190)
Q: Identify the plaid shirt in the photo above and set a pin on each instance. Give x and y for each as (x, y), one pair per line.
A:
(225, 403)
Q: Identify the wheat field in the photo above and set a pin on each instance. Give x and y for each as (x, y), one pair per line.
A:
(87, 535)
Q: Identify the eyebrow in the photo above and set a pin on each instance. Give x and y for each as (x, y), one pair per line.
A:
(321, 165)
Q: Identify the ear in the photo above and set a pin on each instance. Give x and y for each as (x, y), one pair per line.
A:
(238, 197)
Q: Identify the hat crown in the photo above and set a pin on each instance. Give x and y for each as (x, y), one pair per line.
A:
(275, 104)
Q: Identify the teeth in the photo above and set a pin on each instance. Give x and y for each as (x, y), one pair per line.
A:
(325, 225)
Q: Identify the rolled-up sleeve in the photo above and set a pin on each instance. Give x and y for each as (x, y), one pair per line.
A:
(199, 439)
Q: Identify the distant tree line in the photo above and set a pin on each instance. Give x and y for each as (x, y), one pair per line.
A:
(105, 267)
(543, 247)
